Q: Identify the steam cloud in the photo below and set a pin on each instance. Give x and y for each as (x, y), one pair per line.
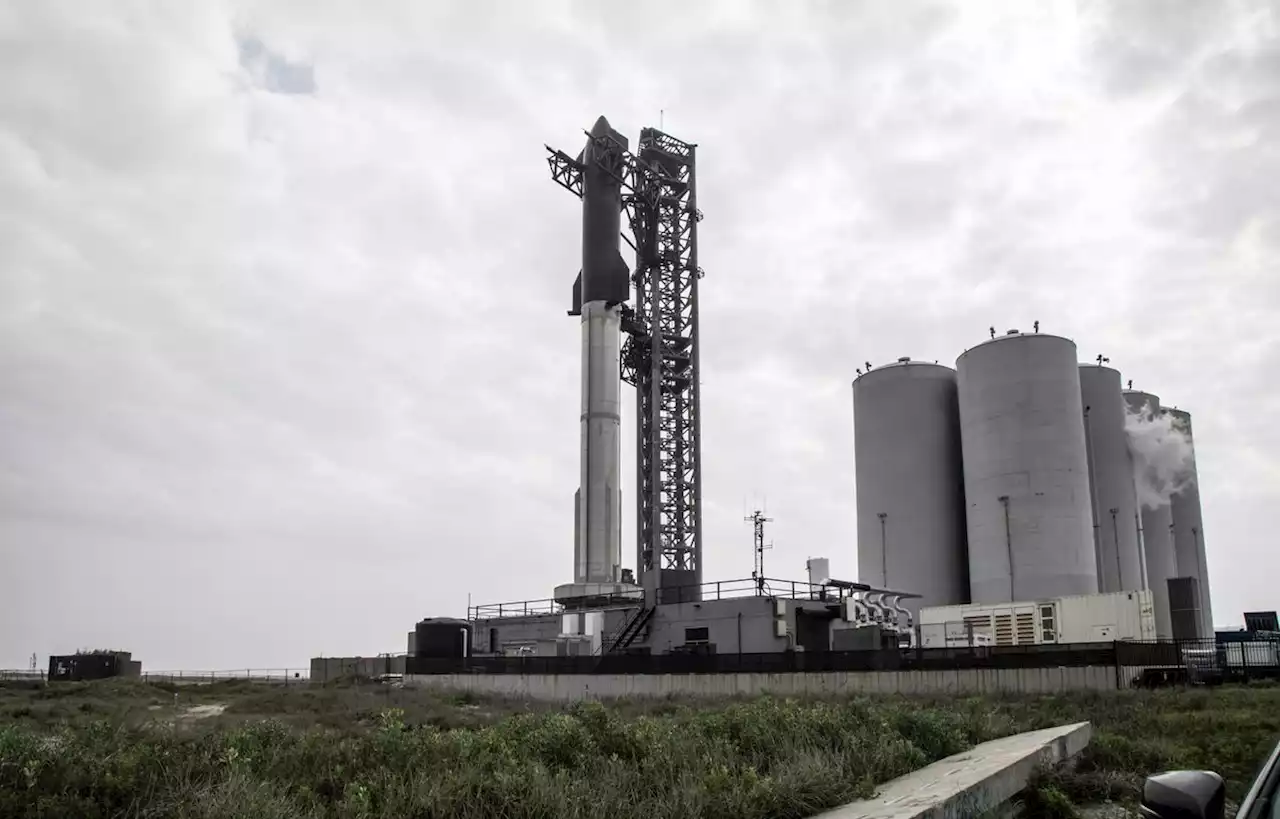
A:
(1162, 457)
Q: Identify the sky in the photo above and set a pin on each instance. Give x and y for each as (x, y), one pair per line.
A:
(284, 359)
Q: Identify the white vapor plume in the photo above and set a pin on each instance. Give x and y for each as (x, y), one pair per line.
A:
(1162, 457)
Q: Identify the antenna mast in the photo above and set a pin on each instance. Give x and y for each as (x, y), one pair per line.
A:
(757, 521)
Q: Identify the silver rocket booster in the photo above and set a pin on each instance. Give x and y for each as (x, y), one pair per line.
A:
(598, 502)
(602, 286)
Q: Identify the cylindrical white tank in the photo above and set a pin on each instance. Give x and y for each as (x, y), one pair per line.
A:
(1188, 529)
(909, 488)
(1026, 472)
(1114, 498)
(1157, 537)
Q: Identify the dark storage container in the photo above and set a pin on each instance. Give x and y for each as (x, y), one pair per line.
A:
(442, 638)
(78, 667)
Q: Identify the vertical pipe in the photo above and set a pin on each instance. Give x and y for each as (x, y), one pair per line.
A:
(1145, 578)
(697, 368)
(1008, 544)
(1093, 502)
(884, 549)
(1115, 539)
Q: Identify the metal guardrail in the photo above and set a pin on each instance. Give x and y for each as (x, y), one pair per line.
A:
(278, 675)
(1198, 662)
(717, 590)
(1160, 662)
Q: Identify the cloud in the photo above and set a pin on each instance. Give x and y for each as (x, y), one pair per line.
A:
(282, 286)
(273, 72)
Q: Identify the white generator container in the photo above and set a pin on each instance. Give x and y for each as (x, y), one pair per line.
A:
(1092, 618)
(952, 635)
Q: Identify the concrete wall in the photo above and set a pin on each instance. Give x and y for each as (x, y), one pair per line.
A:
(324, 669)
(569, 687)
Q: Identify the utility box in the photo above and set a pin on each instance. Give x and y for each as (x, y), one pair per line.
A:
(1093, 618)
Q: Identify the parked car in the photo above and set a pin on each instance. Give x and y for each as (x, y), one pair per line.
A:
(1203, 794)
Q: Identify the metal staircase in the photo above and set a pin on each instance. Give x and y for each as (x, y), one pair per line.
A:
(626, 633)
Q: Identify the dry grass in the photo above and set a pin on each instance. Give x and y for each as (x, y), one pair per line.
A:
(125, 749)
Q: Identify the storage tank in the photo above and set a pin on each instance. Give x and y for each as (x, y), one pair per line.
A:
(909, 482)
(1112, 493)
(442, 637)
(1026, 472)
(1157, 539)
(1188, 528)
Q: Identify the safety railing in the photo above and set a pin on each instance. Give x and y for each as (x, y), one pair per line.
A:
(1234, 658)
(718, 590)
(277, 675)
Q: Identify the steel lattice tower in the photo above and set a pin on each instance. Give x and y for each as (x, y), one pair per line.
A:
(660, 358)
(660, 355)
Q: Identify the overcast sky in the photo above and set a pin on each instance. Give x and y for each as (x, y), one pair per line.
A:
(284, 359)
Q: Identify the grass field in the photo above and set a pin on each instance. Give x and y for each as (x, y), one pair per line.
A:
(239, 750)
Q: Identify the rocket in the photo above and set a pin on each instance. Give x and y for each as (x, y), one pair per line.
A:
(602, 286)
(604, 276)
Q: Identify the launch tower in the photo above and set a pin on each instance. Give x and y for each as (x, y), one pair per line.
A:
(660, 355)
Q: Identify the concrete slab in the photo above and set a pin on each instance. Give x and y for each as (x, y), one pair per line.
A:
(974, 783)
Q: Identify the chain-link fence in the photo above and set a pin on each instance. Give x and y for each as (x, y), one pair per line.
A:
(273, 675)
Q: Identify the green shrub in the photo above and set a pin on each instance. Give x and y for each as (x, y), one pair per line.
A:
(1046, 802)
(767, 757)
